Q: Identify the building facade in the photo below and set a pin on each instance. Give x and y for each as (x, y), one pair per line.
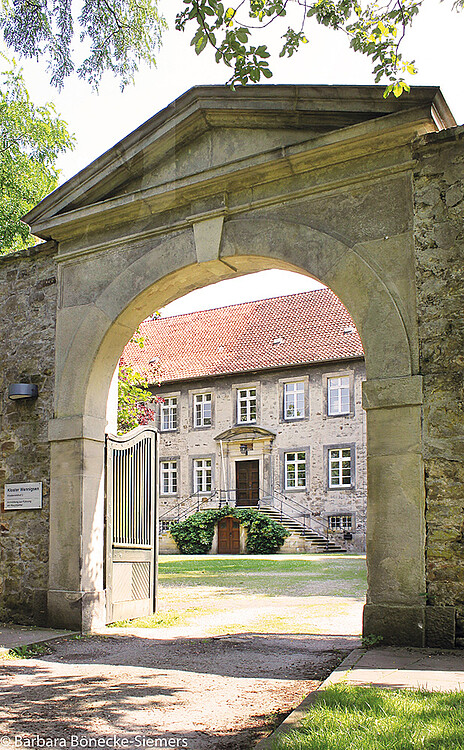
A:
(289, 435)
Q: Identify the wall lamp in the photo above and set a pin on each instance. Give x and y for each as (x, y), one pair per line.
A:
(18, 391)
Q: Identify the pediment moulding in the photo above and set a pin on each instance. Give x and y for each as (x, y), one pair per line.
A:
(278, 131)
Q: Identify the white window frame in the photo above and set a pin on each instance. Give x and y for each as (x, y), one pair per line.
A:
(164, 527)
(200, 416)
(294, 392)
(169, 414)
(337, 457)
(169, 477)
(338, 395)
(249, 402)
(345, 522)
(298, 461)
(202, 475)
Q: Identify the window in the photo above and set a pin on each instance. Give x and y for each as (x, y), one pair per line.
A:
(338, 396)
(246, 405)
(164, 526)
(295, 470)
(202, 410)
(340, 467)
(202, 475)
(294, 400)
(340, 523)
(169, 413)
(169, 477)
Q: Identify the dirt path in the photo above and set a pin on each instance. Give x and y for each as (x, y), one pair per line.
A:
(223, 666)
(198, 693)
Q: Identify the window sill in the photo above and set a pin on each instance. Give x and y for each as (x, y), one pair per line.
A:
(342, 487)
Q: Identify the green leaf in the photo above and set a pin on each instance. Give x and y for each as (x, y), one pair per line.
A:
(31, 139)
(201, 43)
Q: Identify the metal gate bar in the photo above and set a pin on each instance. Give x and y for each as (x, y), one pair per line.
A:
(131, 541)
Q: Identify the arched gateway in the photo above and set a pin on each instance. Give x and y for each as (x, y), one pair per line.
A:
(322, 180)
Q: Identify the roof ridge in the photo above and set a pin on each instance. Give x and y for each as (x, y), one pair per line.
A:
(240, 304)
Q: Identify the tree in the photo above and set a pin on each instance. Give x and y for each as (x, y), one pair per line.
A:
(374, 30)
(134, 394)
(118, 35)
(30, 140)
(123, 33)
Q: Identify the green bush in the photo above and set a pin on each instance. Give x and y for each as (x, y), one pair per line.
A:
(194, 536)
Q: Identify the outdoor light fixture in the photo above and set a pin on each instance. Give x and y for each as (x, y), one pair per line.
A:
(18, 391)
(244, 450)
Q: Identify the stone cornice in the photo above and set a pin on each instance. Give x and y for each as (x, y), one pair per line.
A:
(388, 134)
(316, 109)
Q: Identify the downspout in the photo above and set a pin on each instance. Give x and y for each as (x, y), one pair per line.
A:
(224, 472)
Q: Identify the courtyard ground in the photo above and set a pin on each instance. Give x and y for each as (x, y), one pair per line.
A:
(237, 642)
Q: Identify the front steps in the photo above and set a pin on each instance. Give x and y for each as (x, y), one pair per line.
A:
(317, 541)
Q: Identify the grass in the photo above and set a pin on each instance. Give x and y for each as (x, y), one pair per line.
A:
(359, 718)
(259, 594)
(270, 575)
(165, 619)
(27, 652)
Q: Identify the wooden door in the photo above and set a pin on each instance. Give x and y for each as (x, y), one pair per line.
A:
(247, 482)
(228, 536)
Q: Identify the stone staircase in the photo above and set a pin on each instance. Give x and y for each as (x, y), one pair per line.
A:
(318, 541)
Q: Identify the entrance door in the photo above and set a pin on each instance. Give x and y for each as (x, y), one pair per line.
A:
(247, 482)
(228, 536)
(130, 524)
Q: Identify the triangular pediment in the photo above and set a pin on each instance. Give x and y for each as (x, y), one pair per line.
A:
(242, 433)
(211, 127)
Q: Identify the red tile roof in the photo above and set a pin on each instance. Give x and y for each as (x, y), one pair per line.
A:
(296, 329)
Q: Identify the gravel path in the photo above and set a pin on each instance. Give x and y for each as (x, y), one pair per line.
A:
(221, 680)
(200, 693)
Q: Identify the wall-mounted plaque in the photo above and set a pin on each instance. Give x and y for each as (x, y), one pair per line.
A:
(23, 496)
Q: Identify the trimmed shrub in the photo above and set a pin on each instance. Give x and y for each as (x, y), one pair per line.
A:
(194, 536)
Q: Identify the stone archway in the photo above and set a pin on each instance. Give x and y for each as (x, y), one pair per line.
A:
(327, 197)
(393, 397)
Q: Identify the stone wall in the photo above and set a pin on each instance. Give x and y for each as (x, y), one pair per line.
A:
(28, 296)
(439, 241)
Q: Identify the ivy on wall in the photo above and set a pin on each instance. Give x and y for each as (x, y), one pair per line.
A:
(194, 536)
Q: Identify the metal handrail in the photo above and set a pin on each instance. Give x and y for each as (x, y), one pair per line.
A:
(180, 513)
(284, 505)
(301, 511)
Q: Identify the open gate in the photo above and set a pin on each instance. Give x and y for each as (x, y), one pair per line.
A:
(131, 524)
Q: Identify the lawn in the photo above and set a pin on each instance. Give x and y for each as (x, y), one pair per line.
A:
(316, 594)
(359, 718)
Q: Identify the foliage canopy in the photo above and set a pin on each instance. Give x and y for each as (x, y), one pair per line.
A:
(118, 35)
(30, 140)
(373, 29)
(134, 395)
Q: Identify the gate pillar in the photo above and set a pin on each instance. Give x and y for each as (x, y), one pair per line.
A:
(396, 598)
(76, 597)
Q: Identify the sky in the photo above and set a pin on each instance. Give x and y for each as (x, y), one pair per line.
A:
(99, 120)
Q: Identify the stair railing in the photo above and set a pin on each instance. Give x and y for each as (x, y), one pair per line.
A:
(287, 507)
(185, 507)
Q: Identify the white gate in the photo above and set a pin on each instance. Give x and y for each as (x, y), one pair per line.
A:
(131, 523)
